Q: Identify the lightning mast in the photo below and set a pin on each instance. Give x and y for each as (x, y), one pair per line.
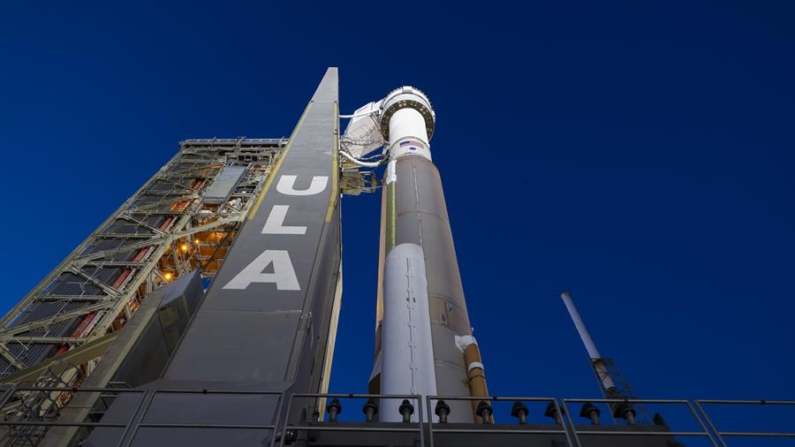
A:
(611, 381)
(598, 364)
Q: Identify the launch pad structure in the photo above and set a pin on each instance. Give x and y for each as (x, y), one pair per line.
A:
(204, 311)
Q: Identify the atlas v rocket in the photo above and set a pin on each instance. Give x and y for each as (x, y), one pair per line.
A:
(424, 343)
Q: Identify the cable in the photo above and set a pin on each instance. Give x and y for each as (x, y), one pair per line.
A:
(373, 164)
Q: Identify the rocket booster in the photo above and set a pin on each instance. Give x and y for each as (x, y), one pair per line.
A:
(422, 325)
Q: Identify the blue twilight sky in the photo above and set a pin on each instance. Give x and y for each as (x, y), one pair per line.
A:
(638, 154)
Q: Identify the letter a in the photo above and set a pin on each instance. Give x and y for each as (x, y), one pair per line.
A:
(286, 185)
(283, 272)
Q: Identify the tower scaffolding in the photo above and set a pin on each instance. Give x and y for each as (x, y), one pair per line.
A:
(184, 218)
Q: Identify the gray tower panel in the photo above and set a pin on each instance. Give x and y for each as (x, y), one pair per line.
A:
(176, 303)
(226, 341)
(249, 356)
(259, 336)
(223, 185)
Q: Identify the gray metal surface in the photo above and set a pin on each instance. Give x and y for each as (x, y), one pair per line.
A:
(176, 303)
(139, 353)
(265, 321)
(467, 435)
(239, 334)
(224, 184)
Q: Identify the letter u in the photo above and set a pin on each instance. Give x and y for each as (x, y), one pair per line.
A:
(286, 185)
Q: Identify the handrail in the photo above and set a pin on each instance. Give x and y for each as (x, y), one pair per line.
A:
(327, 427)
(704, 431)
(135, 421)
(720, 434)
(563, 430)
(564, 424)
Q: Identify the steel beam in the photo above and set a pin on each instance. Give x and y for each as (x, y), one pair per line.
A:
(105, 288)
(88, 298)
(5, 335)
(77, 356)
(4, 351)
(43, 339)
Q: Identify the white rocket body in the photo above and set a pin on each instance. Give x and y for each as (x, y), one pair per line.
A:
(407, 354)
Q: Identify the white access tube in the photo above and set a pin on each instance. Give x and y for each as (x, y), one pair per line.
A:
(590, 346)
(406, 353)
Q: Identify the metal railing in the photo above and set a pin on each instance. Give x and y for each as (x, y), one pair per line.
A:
(577, 432)
(139, 422)
(720, 434)
(136, 419)
(486, 428)
(422, 423)
(417, 427)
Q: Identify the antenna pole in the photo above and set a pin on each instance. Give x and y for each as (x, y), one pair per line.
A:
(590, 346)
